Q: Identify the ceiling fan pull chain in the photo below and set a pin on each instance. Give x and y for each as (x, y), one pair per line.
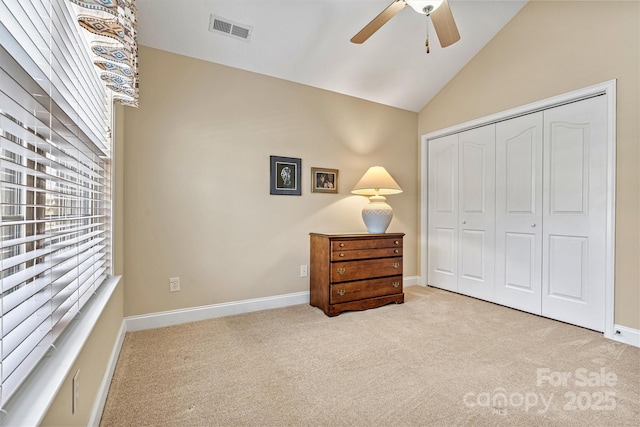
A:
(426, 43)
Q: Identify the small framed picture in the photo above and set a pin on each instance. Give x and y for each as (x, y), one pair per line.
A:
(285, 176)
(324, 180)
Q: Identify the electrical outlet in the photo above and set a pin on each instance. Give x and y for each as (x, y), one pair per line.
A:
(174, 284)
(75, 392)
(303, 270)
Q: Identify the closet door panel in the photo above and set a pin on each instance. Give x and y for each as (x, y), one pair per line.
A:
(567, 269)
(476, 212)
(445, 254)
(473, 255)
(574, 247)
(443, 213)
(520, 262)
(519, 213)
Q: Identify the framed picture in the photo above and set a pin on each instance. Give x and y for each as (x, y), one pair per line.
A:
(285, 176)
(324, 180)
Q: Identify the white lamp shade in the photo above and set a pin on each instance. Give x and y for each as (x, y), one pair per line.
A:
(376, 181)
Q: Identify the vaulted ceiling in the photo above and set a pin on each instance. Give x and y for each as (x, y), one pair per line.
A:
(307, 42)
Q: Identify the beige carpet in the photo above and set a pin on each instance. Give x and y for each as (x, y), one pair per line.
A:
(439, 359)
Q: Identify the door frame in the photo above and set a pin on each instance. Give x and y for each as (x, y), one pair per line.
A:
(606, 88)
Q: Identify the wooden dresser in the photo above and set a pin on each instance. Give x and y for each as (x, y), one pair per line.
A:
(355, 271)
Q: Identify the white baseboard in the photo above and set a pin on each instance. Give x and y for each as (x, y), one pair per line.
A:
(175, 317)
(194, 314)
(410, 281)
(626, 335)
(103, 391)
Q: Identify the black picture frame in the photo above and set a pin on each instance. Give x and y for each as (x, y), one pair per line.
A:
(285, 176)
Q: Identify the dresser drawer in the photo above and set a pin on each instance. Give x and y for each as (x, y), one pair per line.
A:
(344, 255)
(377, 243)
(365, 269)
(362, 289)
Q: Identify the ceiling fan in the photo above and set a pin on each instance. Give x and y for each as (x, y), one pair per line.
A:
(438, 10)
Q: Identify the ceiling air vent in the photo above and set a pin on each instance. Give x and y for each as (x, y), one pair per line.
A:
(229, 28)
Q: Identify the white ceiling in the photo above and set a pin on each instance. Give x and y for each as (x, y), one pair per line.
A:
(307, 41)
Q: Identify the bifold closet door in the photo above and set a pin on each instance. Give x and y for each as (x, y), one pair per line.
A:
(442, 240)
(575, 212)
(551, 174)
(519, 213)
(462, 212)
(476, 207)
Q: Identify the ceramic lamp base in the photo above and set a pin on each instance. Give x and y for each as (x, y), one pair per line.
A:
(377, 215)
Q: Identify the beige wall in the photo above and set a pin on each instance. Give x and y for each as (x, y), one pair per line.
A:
(197, 202)
(551, 48)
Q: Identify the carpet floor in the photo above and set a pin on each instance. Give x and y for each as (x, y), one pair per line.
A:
(439, 359)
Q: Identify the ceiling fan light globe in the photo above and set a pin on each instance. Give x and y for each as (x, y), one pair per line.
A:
(423, 6)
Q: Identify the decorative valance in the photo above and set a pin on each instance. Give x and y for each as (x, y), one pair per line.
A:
(115, 48)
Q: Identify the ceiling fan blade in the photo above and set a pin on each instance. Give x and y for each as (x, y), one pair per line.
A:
(378, 21)
(445, 25)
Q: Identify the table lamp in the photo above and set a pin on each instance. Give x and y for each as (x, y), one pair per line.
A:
(376, 183)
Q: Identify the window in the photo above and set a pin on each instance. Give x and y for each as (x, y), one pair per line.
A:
(55, 196)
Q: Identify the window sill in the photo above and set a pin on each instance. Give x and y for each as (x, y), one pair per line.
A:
(30, 403)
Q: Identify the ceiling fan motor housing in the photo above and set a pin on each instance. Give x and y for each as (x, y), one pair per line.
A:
(422, 6)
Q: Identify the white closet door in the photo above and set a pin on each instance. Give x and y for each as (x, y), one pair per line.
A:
(443, 213)
(476, 219)
(575, 195)
(519, 213)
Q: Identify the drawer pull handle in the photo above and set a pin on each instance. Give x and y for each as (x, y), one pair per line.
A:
(341, 270)
(395, 284)
(397, 242)
(341, 292)
(341, 254)
(395, 251)
(396, 265)
(342, 245)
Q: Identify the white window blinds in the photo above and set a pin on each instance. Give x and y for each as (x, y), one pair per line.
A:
(54, 181)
